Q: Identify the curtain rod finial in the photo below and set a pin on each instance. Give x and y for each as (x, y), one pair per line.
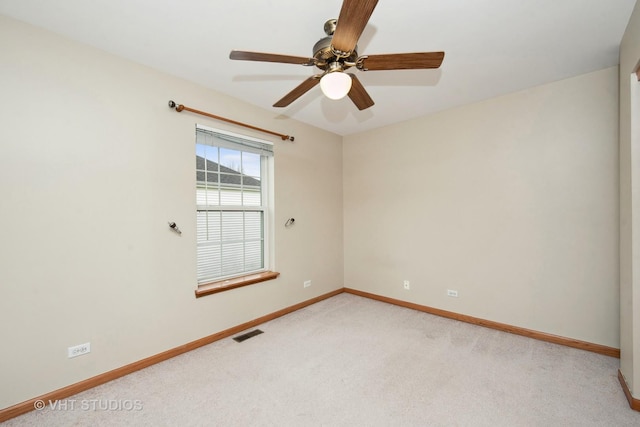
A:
(178, 107)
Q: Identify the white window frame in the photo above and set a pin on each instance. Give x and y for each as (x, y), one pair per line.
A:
(226, 139)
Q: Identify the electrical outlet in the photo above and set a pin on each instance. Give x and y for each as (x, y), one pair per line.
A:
(407, 285)
(452, 293)
(79, 350)
(306, 283)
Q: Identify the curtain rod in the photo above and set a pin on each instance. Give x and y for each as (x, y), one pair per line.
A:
(180, 107)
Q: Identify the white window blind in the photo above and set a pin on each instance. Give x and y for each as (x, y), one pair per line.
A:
(231, 174)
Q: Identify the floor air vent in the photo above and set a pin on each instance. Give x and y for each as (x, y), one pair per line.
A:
(248, 335)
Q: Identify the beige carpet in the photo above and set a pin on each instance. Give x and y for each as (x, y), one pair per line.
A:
(351, 361)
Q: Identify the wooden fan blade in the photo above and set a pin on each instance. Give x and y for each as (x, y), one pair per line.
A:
(354, 16)
(270, 57)
(402, 61)
(359, 95)
(296, 93)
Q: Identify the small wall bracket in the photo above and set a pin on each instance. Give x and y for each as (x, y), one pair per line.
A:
(174, 227)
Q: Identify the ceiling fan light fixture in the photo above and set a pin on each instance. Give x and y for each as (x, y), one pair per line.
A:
(335, 85)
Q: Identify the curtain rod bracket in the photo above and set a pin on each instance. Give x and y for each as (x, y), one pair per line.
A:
(180, 107)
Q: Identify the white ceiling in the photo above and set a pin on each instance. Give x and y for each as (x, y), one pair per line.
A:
(493, 47)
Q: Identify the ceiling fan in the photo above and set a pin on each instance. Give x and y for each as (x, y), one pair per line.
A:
(338, 52)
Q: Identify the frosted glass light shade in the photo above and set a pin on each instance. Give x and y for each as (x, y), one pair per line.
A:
(335, 85)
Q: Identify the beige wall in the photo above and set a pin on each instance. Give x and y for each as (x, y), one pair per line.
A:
(630, 205)
(93, 164)
(513, 202)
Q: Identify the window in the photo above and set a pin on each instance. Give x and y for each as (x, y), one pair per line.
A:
(232, 198)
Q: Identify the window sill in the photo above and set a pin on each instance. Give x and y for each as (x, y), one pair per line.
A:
(237, 282)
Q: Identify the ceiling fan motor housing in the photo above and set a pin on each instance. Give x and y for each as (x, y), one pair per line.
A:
(324, 54)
